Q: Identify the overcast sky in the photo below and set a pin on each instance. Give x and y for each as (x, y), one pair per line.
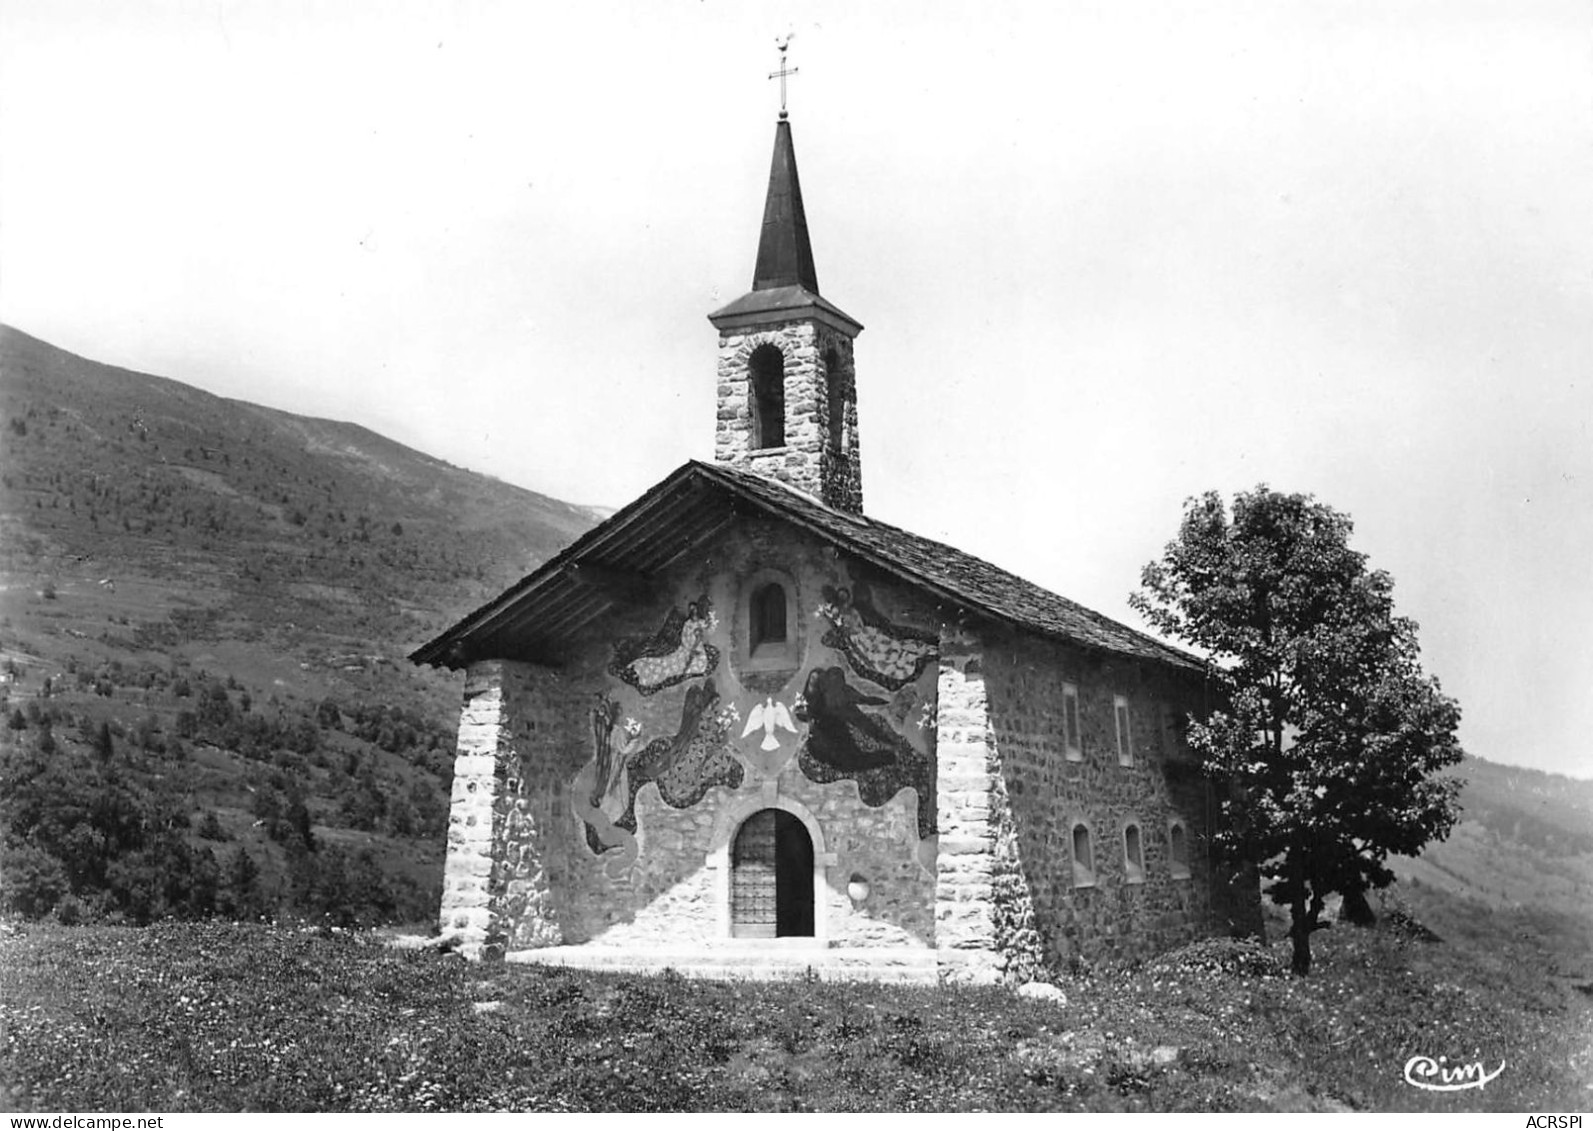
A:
(1108, 256)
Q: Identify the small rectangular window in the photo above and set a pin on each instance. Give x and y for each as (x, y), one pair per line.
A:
(1071, 739)
(1173, 742)
(1125, 731)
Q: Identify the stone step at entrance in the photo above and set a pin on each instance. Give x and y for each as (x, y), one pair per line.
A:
(774, 963)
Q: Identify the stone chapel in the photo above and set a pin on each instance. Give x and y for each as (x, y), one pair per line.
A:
(742, 728)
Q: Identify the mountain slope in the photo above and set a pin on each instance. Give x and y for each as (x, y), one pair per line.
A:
(242, 584)
(109, 466)
(1524, 840)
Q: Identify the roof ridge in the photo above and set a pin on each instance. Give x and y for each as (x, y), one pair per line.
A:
(769, 480)
(889, 528)
(956, 576)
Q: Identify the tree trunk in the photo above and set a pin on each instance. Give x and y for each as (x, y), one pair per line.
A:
(1356, 909)
(1301, 965)
(1300, 932)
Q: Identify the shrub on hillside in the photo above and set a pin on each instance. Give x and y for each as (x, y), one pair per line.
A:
(1242, 957)
(328, 715)
(35, 880)
(69, 912)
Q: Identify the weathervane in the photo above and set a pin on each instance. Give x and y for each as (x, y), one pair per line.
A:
(782, 42)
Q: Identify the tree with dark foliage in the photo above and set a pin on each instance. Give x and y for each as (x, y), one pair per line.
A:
(1329, 734)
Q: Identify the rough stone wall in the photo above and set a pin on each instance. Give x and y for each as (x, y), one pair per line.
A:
(566, 871)
(808, 460)
(1118, 916)
(498, 889)
(538, 742)
(467, 867)
(984, 919)
(841, 468)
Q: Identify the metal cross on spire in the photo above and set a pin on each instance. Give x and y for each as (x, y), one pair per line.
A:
(782, 43)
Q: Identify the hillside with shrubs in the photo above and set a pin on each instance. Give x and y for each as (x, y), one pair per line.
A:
(205, 607)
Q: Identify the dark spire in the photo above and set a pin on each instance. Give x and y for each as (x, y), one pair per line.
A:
(785, 255)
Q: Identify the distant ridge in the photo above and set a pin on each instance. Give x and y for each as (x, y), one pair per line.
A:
(133, 469)
(1525, 839)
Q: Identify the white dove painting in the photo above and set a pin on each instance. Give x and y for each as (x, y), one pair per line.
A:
(769, 715)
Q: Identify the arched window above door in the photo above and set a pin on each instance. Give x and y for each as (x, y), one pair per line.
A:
(766, 619)
(768, 629)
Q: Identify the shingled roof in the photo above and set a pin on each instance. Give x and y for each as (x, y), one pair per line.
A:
(618, 560)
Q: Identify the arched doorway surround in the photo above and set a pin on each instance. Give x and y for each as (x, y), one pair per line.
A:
(771, 878)
(800, 869)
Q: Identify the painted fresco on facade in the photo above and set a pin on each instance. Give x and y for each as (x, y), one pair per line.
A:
(607, 769)
(684, 766)
(769, 716)
(846, 742)
(678, 651)
(891, 655)
(851, 721)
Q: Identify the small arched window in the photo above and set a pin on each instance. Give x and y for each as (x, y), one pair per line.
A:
(1178, 850)
(768, 632)
(766, 623)
(1083, 858)
(1133, 855)
(766, 370)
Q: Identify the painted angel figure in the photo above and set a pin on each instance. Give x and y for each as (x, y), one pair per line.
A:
(768, 715)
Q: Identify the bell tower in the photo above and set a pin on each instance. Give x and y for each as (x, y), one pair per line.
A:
(787, 390)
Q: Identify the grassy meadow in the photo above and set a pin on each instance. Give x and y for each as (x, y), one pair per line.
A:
(232, 1017)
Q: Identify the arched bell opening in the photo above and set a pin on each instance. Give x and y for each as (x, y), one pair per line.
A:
(766, 373)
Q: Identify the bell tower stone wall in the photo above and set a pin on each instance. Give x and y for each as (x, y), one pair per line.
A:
(819, 454)
(787, 385)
